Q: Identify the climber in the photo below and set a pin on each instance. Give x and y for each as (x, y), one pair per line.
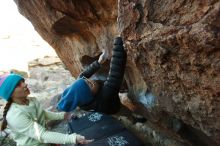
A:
(95, 95)
(26, 119)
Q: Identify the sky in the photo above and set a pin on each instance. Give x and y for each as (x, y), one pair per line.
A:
(19, 42)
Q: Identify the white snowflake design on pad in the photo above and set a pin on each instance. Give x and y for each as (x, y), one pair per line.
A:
(117, 141)
(95, 117)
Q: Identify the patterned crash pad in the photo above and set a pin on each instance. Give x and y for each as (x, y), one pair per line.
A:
(104, 129)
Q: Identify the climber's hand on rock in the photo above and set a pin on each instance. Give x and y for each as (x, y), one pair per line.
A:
(103, 57)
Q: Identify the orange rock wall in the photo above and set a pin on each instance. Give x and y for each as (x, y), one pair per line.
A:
(173, 50)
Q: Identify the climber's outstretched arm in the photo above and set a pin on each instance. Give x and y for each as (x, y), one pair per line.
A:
(95, 66)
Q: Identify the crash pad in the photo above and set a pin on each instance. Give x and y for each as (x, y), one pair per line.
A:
(104, 129)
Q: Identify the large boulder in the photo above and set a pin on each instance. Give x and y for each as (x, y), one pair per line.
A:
(173, 68)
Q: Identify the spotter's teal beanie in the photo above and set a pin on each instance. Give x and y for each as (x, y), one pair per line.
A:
(8, 83)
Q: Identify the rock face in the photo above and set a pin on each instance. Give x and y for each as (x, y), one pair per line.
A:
(173, 46)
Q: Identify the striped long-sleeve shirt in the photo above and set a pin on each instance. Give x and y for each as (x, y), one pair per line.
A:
(27, 125)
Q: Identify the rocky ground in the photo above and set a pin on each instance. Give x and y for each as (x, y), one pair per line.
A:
(48, 78)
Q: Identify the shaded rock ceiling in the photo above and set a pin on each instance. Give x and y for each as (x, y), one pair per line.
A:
(173, 50)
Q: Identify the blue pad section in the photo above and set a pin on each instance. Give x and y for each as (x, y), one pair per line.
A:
(104, 129)
(78, 124)
(124, 138)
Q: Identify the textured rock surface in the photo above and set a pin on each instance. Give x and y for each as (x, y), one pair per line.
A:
(173, 51)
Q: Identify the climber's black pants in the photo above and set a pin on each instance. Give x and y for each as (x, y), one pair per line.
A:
(107, 99)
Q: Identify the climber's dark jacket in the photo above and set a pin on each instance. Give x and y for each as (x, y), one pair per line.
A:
(106, 100)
